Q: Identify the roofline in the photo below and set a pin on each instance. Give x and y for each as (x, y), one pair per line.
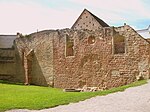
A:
(91, 15)
(140, 35)
(144, 29)
(141, 30)
(97, 19)
(8, 35)
(78, 18)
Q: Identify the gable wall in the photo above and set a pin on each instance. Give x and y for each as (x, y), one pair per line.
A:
(86, 21)
(138, 49)
(96, 65)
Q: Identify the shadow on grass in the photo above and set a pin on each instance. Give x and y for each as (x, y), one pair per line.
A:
(8, 82)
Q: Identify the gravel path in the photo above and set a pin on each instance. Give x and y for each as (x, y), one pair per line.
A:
(135, 99)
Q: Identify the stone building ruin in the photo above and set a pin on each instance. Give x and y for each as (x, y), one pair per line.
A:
(95, 56)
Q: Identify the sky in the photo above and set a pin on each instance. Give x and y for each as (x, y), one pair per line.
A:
(28, 16)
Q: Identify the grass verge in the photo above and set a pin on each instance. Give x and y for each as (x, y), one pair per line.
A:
(35, 97)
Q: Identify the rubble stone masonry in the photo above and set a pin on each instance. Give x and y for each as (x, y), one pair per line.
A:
(93, 62)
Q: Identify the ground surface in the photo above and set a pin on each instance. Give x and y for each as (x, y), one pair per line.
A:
(135, 99)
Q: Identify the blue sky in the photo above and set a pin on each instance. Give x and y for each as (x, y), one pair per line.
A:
(27, 16)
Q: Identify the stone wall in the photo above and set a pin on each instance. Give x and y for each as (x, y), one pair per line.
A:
(42, 61)
(92, 63)
(95, 64)
(10, 65)
(6, 41)
(86, 21)
(7, 64)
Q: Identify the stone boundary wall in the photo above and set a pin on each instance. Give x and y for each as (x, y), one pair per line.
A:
(7, 64)
(93, 63)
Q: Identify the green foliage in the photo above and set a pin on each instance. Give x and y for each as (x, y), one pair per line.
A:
(8, 82)
(35, 97)
(27, 36)
(24, 36)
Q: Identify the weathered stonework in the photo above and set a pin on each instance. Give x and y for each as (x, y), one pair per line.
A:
(93, 63)
(41, 64)
(9, 64)
(88, 21)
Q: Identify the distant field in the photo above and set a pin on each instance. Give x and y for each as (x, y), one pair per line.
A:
(35, 97)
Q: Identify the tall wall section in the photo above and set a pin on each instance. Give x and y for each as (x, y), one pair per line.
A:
(41, 71)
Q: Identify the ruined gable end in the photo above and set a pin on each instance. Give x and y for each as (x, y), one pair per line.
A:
(89, 21)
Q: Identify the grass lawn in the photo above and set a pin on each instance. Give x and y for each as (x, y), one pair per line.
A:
(35, 97)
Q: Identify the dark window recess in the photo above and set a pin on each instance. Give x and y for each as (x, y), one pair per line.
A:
(69, 46)
(119, 44)
(93, 24)
(90, 22)
(86, 16)
(86, 25)
(91, 40)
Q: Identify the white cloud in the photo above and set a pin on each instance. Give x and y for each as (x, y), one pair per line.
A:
(117, 10)
(29, 17)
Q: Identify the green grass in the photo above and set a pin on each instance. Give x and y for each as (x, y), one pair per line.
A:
(35, 97)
